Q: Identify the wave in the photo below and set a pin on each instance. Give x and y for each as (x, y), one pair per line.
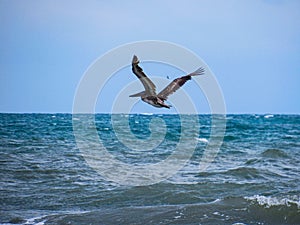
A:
(269, 201)
(40, 220)
(244, 173)
(230, 137)
(257, 209)
(268, 116)
(147, 114)
(204, 140)
(274, 153)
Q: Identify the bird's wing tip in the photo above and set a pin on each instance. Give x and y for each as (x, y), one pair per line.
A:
(135, 59)
(199, 71)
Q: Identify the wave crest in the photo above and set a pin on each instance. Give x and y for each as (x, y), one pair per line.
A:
(274, 153)
(269, 201)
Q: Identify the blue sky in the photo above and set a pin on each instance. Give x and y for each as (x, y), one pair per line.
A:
(252, 47)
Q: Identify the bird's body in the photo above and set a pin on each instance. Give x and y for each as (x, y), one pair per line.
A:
(155, 101)
(149, 94)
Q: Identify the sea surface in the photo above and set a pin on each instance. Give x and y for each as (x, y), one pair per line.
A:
(46, 178)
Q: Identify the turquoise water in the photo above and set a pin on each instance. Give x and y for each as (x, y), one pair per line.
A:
(254, 179)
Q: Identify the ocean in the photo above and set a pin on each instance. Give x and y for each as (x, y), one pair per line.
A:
(51, 176)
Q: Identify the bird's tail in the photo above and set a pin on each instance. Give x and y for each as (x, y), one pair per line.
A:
(138, 94)
(199, 71)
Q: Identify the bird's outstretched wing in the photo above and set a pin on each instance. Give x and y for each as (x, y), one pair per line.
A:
(177, 83)
(150, 88)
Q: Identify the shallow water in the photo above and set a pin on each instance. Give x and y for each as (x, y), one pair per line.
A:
(254, 178)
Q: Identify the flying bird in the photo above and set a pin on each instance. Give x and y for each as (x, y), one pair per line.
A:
(149, 94)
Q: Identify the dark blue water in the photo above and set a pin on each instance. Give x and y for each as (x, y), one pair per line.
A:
(46, 179)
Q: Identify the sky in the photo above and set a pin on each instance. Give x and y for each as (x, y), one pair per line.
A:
(251, 46)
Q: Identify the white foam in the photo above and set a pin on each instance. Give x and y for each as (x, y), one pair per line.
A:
(268, 116)
(34, 221)
(269, 201)
(147, 114)
(204, 140)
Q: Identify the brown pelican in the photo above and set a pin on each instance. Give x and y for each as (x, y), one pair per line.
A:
(149, 94)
